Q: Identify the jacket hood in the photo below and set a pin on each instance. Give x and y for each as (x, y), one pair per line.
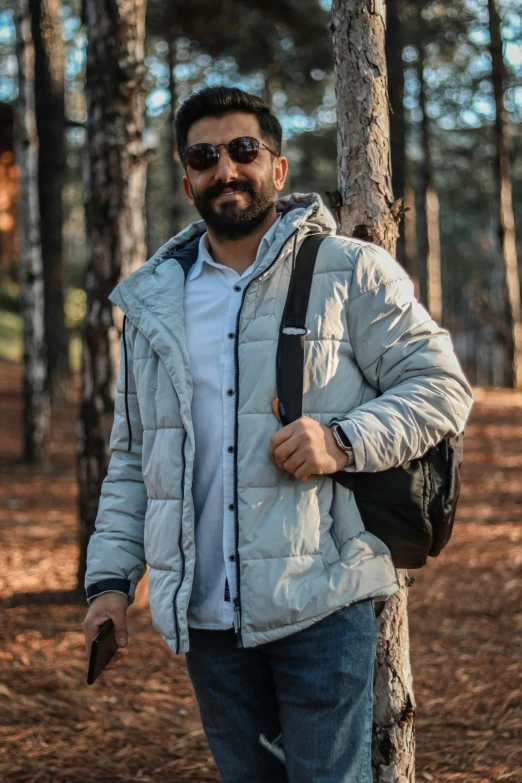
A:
(305, 212)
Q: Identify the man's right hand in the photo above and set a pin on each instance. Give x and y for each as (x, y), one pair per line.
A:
(107, 606)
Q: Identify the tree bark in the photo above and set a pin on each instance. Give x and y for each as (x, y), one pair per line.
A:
(429, 252)
(506, 251)
(366, 211)
(115, 176)
(393, 753)
(50, 121)
(35, 394)
(363, 122)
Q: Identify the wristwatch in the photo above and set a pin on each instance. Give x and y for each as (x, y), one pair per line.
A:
(343, 443)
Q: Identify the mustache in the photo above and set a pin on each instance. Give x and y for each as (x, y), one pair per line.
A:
(237, 186)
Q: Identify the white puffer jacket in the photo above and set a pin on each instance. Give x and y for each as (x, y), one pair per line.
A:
(374, 359)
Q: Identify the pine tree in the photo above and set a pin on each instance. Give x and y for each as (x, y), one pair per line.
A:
(366, 211)
(395, 69)
(429, 240)
(506, 250)
(35, 392)
(115, 210)
(50, 121)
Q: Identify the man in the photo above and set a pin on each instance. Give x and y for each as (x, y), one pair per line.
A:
(260, 567)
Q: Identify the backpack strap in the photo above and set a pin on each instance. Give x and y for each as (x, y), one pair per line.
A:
(293, 331)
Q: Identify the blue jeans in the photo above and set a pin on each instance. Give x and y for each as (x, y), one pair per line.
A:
(297, 710)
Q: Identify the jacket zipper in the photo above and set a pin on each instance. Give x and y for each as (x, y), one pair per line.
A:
(237, 599)
(127, 414)
(182, 551)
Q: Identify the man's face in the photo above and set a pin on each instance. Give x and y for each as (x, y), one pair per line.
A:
(233, 198)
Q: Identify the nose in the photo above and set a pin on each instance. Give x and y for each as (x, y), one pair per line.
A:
(225, 169)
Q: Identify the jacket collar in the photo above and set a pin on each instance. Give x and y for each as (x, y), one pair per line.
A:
(157, 287)
(304, 211)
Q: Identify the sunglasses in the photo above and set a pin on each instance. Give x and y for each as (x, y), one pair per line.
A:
(244, 149)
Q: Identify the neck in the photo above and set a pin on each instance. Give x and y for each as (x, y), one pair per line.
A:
(239, 254)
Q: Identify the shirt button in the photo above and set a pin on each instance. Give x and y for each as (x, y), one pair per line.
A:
(231, 335)
(232, 558)
(237, 288)
(230, 449)
(230, 392)
(230, 506)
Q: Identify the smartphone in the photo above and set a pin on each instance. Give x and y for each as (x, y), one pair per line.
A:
(103, 647)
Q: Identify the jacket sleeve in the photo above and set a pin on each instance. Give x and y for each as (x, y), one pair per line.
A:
(115, 557)
(424, 396)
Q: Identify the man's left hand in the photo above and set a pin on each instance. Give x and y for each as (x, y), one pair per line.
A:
(305, 448)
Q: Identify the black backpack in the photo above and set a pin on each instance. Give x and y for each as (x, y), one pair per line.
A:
(411, 508)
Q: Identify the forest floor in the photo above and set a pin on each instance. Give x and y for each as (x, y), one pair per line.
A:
(140, 721)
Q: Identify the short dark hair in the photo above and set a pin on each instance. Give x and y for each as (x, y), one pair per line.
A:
(218, 101)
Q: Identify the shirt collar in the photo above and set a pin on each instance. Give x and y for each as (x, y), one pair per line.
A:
(205, 257)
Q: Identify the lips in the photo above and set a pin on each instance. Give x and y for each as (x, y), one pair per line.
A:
(229, 193)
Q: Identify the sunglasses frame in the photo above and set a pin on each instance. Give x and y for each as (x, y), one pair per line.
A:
(259, 144)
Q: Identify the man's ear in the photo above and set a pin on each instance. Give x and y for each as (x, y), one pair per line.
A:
(280, 172)
(187, 188)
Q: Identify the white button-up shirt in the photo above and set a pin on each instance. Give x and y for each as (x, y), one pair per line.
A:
(213, 294)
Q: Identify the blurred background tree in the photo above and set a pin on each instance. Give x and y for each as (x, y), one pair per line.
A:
(114, 183)
(46, 30)
(508, 303)
(35, 411)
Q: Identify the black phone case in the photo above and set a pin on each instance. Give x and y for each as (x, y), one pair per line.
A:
(103, 647)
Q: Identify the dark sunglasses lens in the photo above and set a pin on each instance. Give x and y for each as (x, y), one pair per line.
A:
(202, 156)
(244, 149)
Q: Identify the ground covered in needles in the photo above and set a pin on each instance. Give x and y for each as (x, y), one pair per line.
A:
(140, 722)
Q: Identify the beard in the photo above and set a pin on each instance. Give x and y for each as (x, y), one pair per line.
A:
(230, 221)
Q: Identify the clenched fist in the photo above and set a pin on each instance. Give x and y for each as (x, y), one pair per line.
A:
(306, 448)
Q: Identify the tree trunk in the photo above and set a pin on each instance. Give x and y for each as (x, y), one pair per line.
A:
(429, 252)
(50, 120)
(366, 211)
(115, 175)
(394, 66)
(506, 251)
(174, 168)
(363, 142)
(35, 394)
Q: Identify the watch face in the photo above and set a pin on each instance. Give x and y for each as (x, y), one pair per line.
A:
(341, 438)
